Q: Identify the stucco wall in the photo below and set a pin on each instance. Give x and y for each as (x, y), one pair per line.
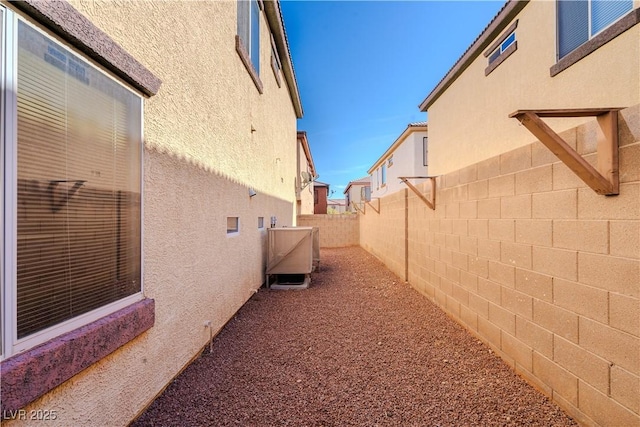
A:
(382, 230)
(407, 161)
(209, 136)
(305, 195)
(536, 264)
(336, 230)
(470, 122)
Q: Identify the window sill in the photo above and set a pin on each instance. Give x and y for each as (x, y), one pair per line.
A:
(29, 375)
(246, 61)
(622, 25)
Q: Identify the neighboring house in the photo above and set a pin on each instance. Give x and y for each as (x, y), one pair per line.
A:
(357, 193)
(305, 176)
(336, 206)
(527, 200)
(320, 194)
(183, 111)
(406, 157)
(533, 55)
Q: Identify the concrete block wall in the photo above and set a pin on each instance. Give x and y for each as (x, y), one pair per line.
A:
(336, 231)
(384, 235)
(537, 265)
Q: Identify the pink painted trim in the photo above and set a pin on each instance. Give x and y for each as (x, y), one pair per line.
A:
(29, 375)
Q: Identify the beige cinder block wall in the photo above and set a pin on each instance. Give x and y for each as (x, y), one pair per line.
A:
(383, 233)
(470, 120)
(201, 157)
(336, 230)
(537, 265)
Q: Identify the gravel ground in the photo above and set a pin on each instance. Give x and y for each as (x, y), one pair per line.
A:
(358, 348)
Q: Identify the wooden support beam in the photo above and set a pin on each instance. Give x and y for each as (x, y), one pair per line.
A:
(431, 203)
(373, 207)
(355, 205)
(603, 179)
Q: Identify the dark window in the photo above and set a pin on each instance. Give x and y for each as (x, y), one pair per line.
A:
(79, 148)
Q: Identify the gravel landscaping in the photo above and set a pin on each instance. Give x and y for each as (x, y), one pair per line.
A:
(358, 348)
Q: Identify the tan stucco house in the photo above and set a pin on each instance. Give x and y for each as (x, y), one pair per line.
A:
(147, 146)
(336, 206)
(305, 177)
(405, 157)
(533, 55)
(357, 193)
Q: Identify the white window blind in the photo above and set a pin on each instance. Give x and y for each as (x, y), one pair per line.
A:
(579, 20)
(573, 25)
(79, 182)
(604, 12)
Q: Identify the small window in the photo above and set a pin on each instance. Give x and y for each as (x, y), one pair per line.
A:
(502, 48)
(233, 224)
(276, 65)
(383, 172)
(365, 194)
(425, 151)
(260, 222)
(390, 161)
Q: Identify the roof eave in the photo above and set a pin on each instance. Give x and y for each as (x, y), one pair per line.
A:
(276, 23)
(409, 130)
(302, 136)
(497, 24)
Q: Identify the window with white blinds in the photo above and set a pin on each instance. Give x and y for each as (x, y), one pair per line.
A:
(580, 20)
(79, 143)
(249, 30)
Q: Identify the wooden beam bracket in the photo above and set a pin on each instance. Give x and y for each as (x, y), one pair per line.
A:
(431, 203)
(603, 179)
(358, 208)
(373, 207)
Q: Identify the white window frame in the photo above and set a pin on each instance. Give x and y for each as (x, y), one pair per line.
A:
(11, 345)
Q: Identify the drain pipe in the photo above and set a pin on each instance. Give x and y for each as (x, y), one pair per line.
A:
(207, 324)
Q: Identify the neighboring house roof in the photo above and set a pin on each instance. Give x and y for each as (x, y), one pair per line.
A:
(337, 202)
(412, 127)
(276, 23)
(499, 22)
(302, 136)
(361, 181)
(320, 184)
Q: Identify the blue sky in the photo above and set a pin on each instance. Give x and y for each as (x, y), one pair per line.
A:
(364, 66)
